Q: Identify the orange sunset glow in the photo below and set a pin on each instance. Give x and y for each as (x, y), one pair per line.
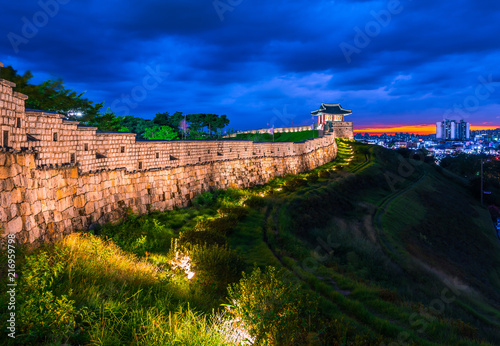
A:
(422, 129)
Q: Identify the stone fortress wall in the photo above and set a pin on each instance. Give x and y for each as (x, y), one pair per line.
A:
(57, 176)
(340, 129)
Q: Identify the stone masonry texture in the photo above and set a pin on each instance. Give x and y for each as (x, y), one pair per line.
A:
(57, 177)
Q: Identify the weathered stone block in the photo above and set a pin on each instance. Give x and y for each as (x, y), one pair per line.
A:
(14, 226)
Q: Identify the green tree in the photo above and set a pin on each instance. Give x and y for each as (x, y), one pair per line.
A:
(136, 124)
(162, 119)
(8, 73)
(51, 95)
(171, 120)
(107, 121)
(196, 122)
(218, 122)
(201, 122)
(161, 132)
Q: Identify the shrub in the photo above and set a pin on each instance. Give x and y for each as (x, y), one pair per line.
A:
(230, 195)
(42, 315)
(271, 309)
(140, 235)
(465, 329)
(255, 202)
(294, 183)
(312, 177)
(195, 237)
(323, 174)
(216, 266)
(205, 199)
(222, 225)
(237, 211)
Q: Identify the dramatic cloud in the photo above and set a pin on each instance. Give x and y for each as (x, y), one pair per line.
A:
(392, 62)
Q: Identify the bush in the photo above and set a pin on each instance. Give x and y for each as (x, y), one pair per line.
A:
(255, 202)
(205, 199)
(222, 225)
(312, 177)
(195, 237)
(216, 266)
(294, 183)
(323, 174)
(43, 316)
(230, 195)
(271, 309)
(237, 211)
(140, 235)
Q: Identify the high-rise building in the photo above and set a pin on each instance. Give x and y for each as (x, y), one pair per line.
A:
(453, 130)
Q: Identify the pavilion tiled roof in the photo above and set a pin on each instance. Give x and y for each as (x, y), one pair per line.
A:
(331, 108)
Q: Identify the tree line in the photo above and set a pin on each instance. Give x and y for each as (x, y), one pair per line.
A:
(53, 95)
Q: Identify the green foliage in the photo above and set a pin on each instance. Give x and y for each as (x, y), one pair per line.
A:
(279, 137)
(8, 73)
(162, 119)
(108, 121)
(222, 225)
(216, 266)
(42, 314)
(230, 196)
(200, 125)
(216, 198)
(235, 210)
(161, 132)
(312, 177)
(136, 125)
(211, 122)
(205, 199)
(255, 202)
(197, 237)
(464, 165)
(140, 235)
(324, 174)
(270, 309)
(50, 95)
(294, 183)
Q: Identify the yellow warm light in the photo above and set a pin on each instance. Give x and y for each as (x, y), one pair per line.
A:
(183, 262)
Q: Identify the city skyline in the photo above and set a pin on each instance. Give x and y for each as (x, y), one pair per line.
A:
(423, 129)
(397, 63)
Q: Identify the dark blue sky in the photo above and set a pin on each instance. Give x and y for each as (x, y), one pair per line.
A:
(391, 62)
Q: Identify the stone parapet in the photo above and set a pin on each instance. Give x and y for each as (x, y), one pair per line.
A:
(40, 205)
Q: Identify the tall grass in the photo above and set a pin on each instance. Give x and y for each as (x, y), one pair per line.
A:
(120, 285)
(86, 290)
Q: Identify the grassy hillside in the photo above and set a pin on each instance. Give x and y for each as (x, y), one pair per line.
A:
(279, 137)
(369, 249)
